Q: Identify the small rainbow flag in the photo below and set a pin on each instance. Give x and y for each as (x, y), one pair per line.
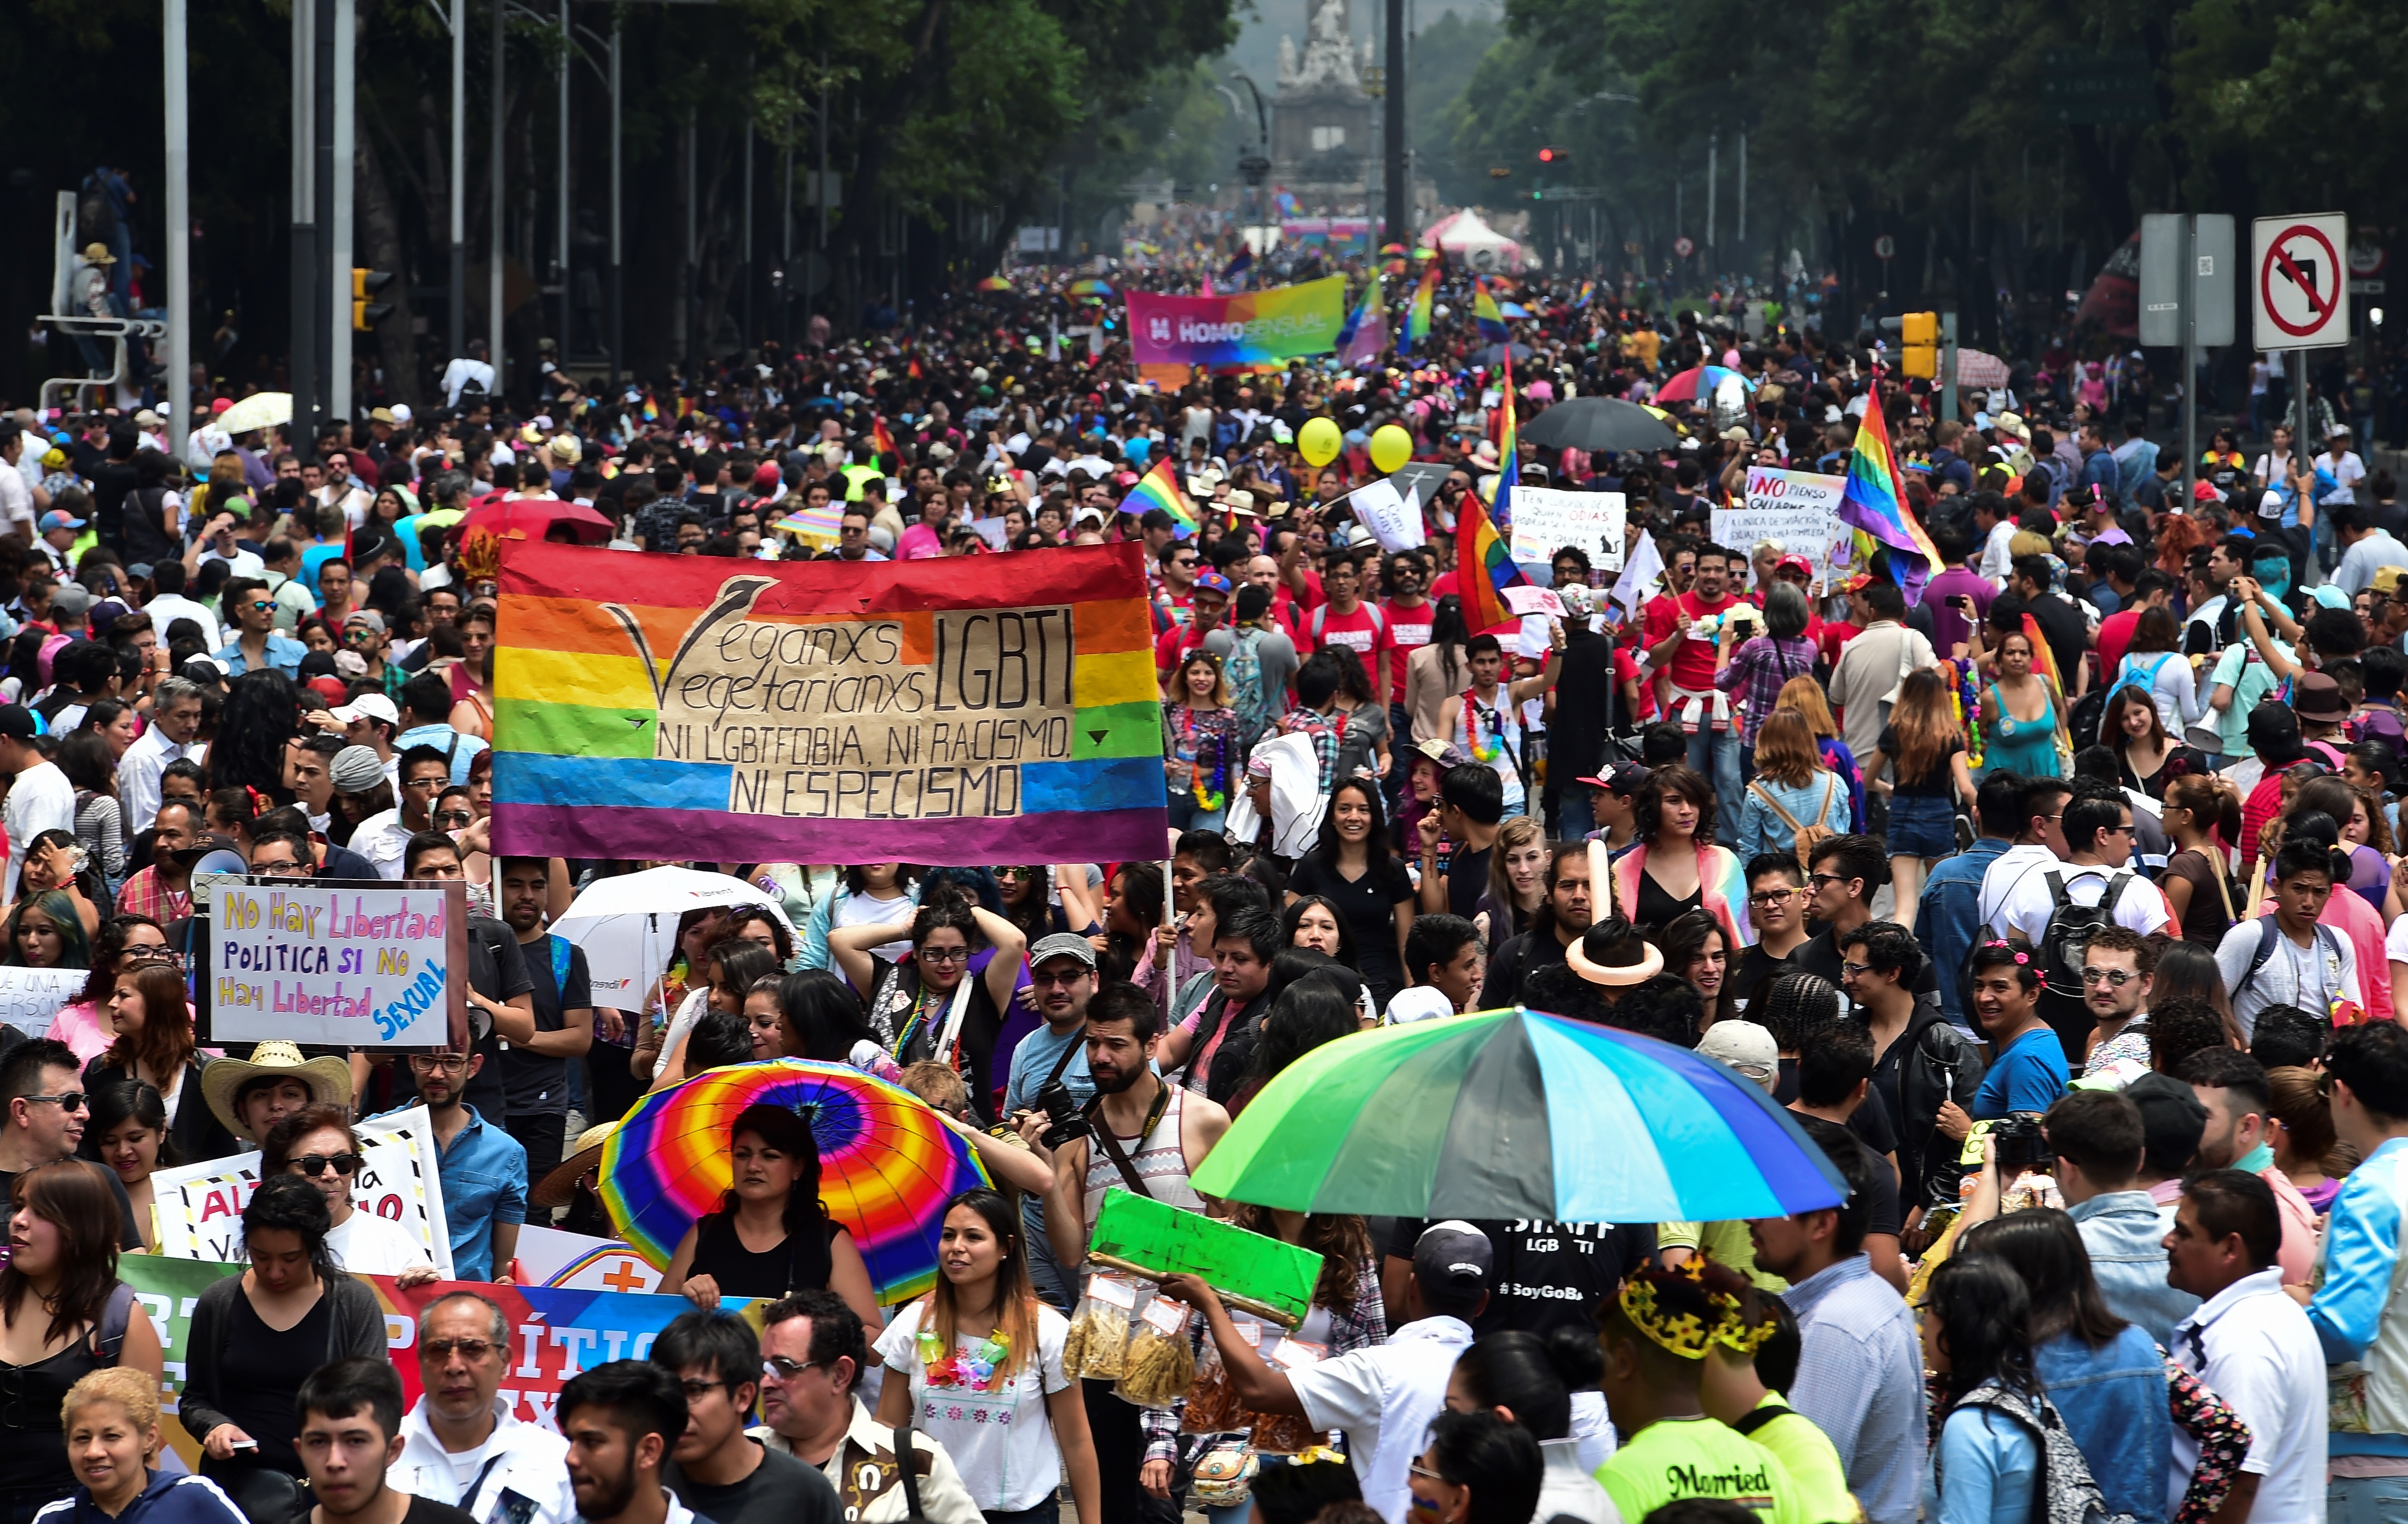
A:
(1588, 289)
(967, 710)
(651, 410)
(1417, 315)
(1366, 330)
(1159, 488)
(883, 442)
(1874, 501)
(1483, 566)
(1486, 313)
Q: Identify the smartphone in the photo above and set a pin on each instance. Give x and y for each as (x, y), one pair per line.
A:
(242, 1445)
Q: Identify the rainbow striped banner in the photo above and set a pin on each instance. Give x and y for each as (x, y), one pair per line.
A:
(1257, 327)
(947, 711)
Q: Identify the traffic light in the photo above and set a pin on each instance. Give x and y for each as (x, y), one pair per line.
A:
(1918, 335)
(1554, 155)
(367, 314)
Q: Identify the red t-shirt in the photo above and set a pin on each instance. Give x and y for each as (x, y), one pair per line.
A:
(1173, 646)
(1365, 632)
(2115, 634)
(1834, 635)
(1692, 663)
(1409, 630)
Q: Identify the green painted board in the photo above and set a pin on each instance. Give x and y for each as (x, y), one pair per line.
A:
(1261, 1275)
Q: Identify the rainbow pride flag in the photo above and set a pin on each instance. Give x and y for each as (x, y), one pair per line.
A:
(1417, 315)
(1159, 488)
(1484, 567)
(1875, 502)
(1485, 312)
(883, 440)
(946, 712)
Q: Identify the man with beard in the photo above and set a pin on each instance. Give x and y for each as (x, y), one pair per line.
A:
(621, 1420)
(350, 1416)
(1148, 1137)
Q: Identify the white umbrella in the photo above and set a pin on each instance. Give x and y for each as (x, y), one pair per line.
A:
(629, 925)
(261, 410)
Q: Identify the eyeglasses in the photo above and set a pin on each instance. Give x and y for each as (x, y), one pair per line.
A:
(264, 605)
(2118, 977)
(455, 818)
(450, 1063)
(1066, 978)
(1771, 896)
(779, 1368)
(944, 954)
(416, 784)
(695, 1390)
(1818, 880)
(146, 954)
(2117, 830)
(468, 1349)
(278, 870)
(1015, 872)
(1856, 970)
(1426, 1475)
(314, 1165)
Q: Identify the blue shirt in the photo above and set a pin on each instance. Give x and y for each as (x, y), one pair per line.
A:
(1031, 1063)
(1860, 1381)
(2028, 1077)
(462, 747)
(1950, 914)
(484, 1173)
(284, 654)
(1987, 1470)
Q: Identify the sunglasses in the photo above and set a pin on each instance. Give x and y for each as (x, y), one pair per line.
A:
(468, 1349)
(314, 1165)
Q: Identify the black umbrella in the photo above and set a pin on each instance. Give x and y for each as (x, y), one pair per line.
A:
(1599, 424)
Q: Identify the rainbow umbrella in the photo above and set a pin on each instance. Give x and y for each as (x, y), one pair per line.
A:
(887, 1164)
(1698, 381)
(1090, 288)
(993, 282)
(1513, 1114)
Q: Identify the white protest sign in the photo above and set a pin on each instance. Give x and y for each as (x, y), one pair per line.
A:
(29, 997)
(347, 968)
(1799, 509)
(196, 1211)
(996, 531)
(581, 1262)
(1526, 600)
(1394, 518)
(1547, 519)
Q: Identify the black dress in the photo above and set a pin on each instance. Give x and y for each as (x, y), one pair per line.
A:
(798, 1263)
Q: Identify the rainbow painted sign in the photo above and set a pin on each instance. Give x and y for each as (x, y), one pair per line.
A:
(1285, 323)
(961, 710)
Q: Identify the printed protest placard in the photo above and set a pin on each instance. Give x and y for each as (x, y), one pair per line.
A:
(1547, 519)
(196, 1211)
(345, 966)
(1799, 509)
(1394, 518)
(29, 997)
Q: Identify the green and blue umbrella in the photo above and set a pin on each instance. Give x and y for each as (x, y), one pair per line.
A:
(1515, 1114)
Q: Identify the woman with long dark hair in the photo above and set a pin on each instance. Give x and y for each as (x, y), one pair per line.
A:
(1677, 864)
(91, 767)
(2120, 1394)
(911, 1002)
(1354, 868)
(127, 1133)
(1479, 1468)
(124, 941)
(1922, 749)
(733, 966)
(263, 712)
(318, 1144)
(155, 1046)
(1695, 951)
(2154, 667)
(977, 1363)
(45, 931)
(256, 1336)
(1528, 1379)
(1200, 751)
(823, 1018)
(1437, 672)
(64, 1314)
(1986, 1465)
(770, 1235)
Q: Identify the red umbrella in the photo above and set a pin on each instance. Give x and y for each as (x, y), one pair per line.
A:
(532, 518)
(1696, 383)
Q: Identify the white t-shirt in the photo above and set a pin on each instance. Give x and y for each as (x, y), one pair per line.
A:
(382, 839)
(2262, 1357)
(41, 800)
(2028, 906)
(2314, 978)
(1384, 1398)
(367, 1244)
(16, 501)
(863, 910)
(1002, 1440)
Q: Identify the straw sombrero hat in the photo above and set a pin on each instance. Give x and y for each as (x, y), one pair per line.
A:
(329, 1080)
(560, 1186)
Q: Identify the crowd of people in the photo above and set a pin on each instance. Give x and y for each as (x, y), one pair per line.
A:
(2049, 890)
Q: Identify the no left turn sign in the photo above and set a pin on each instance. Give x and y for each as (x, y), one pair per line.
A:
(2300, 294)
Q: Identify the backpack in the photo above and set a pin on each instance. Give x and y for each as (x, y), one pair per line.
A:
(1244, 670)
(1804, 838)
(2328, 943)
(2065, 1491)
(2081, 721)
(2145, 682)
(2066, 938)
(1379, 624)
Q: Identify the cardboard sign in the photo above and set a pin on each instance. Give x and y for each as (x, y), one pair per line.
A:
(1547, 519)
(1249, 1270)
(1799, 509)
(1526, 600)
(196, 1211)
(347, 966)
(1394, 518)
(29, 997)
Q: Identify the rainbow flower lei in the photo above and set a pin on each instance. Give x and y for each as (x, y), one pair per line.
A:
(976, 1368)
(1965, 697)
(1212, 792)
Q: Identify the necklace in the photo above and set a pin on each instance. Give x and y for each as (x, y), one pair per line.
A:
(1493, 747)
(1211, 791)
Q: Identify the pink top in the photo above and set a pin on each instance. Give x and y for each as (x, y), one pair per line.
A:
(79, 1026)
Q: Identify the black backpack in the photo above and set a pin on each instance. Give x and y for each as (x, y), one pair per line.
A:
(2066, 938)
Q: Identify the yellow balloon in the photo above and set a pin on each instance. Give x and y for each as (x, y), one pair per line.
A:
(1320, 441)
(1391, 447)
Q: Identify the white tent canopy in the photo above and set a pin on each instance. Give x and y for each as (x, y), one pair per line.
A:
(1465, 239)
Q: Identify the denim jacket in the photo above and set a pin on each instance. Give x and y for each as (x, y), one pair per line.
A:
(2114, 1400)
(1949, 918)
(2126, 1238)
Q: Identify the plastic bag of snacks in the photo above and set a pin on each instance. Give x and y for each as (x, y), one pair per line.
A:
(1097, 1343)
(1288, 1433)
(1160, 1364)
(1212, 1405)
